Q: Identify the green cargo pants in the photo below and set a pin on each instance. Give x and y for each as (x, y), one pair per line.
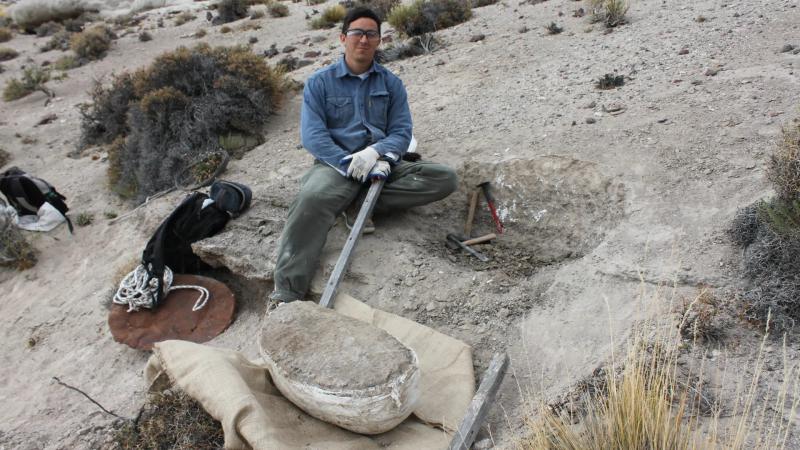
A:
(324, 194)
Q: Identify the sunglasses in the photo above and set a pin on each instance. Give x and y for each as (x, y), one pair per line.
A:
(358, 33)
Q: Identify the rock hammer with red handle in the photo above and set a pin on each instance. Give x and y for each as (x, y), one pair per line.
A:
(487, 193)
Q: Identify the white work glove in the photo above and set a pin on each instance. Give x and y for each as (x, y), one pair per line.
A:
(380, 171)
(361, 163)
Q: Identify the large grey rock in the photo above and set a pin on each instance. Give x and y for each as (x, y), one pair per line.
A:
(339, 369)
(248, 244)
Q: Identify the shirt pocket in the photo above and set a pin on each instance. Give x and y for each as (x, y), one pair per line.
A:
(339, 111)
(377, 109)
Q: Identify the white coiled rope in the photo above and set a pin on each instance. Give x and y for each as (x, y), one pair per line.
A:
(136, 292)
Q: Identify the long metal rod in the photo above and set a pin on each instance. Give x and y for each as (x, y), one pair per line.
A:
(481, 403)
(329, 294)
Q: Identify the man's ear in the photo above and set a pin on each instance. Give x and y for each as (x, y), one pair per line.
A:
(342, 37)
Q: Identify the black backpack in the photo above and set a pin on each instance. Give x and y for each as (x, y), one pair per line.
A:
(27, 193)
(171, 244)
(231, 197)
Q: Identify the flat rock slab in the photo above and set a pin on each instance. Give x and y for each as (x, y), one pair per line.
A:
(339, 369)
(247, 245)
(174, 318)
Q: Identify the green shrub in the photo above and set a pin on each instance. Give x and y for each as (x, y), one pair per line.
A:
(144, 36)
(93, 43)
(258, 14)
(314, 2)
(33, 79)
(225, 29)
(278, 10)
(183, 18)
(329, 17)
(427, 16)
(200, 33)
(609, 12)
(5, 34)
(7, 54)
(164, 116)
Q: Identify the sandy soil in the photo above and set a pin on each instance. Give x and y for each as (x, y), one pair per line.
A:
(596, 212)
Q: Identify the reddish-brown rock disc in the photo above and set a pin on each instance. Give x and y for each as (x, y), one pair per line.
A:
(174, 318)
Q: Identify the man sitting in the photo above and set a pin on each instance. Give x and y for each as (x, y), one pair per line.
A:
(356, 122)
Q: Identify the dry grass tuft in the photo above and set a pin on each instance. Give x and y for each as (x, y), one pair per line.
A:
(6, 34)
(7, 54)
(66, 62)
(171, 420)
(184, 17)
(612, 13)
(648, 401)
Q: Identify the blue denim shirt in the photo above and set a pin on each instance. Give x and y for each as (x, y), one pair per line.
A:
(343, 114)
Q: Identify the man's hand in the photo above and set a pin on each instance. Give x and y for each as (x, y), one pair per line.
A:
(380, 171)
(360, 163)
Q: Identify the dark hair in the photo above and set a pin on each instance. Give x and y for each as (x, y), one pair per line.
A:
(357, 13)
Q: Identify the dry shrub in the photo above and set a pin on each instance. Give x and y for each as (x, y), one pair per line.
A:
(7, 54)
(231, 10)
(381, 7)
(428, 16)
(58, 41)
(315, 2)
(171, 420)
(701, 319)
(5, 34)
(48, 29)
(415, 46)
(15, 251)
(652, 400)
(33, 79)
(31, 13)
(200, 33)
(184, 17)
(783, 169)
(174, 111)
(609, 12)
(93, 43)
(249, 26)
(278, 10)
(481, 3)
(330, 17)
(769, 233)
(66, 62)
(5, 157)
